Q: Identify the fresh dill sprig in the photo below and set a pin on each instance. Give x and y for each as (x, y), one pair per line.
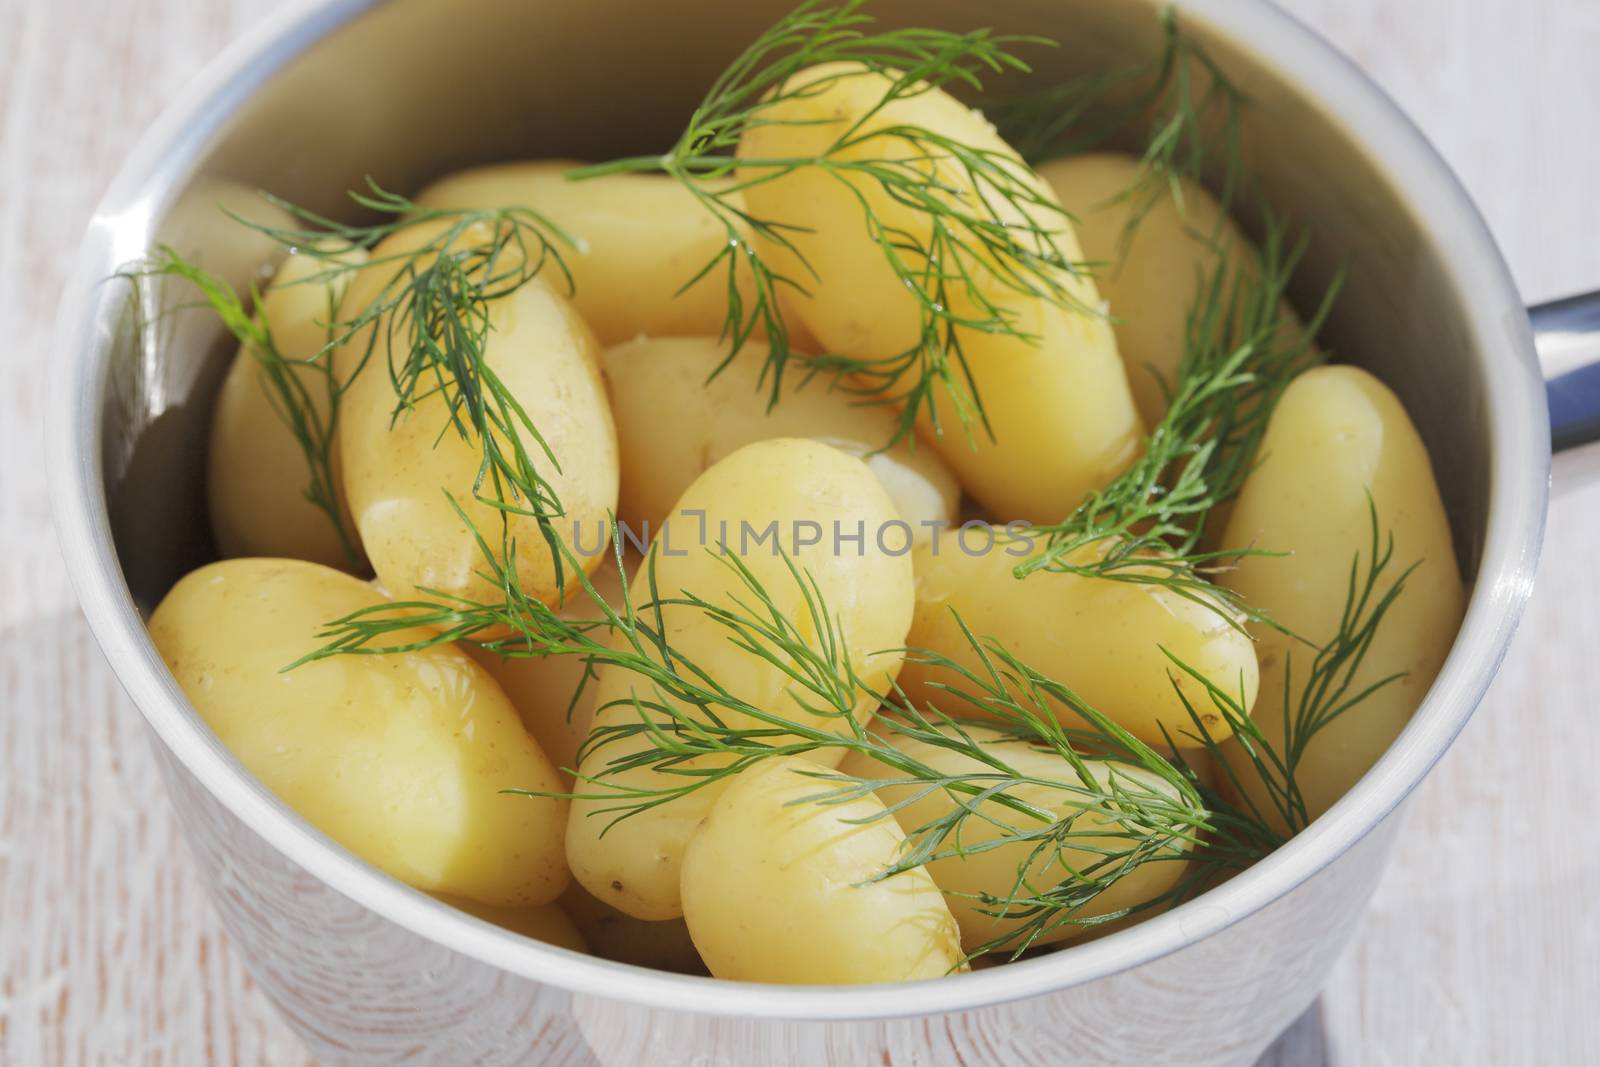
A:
(1119, 819)
(688, 726)
(1326, 693)
(1147, 524)
(309, 410)
(1231, 830)
(429, 320)
(986, 214)
(1189, 108)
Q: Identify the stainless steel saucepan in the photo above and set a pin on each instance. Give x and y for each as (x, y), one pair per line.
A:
(370, 971)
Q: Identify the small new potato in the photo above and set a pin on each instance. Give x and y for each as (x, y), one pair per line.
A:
(674, 420)
(401, 758)
(544, 922)
(1152, 278)
(399, 467)
(639, 239)
(1339, 446)
(616, 935)
(541, 688)
(257, 475)
(1103, 638)
(1084, 854)
(795, 492)
(1056, 397)
(779, 890)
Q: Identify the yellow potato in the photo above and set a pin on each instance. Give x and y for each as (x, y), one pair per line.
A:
(1085, 854)
(1059, 404)
(1151, 283)
(775, 890)
(1337, 435)
(615, 935)
(1102, 638)
(545, 922)
(399, 468)
(798, 487)
(257, 475)
(640, 239)
(541, 687)
(673, 423)
(400, 758)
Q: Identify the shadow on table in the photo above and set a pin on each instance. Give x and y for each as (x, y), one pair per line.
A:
(1304, 1044)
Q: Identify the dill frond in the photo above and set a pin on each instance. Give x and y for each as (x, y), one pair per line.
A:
(428, 322)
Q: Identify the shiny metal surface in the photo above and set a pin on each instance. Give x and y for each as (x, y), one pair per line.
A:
(369, 970)
(360, 989)
(1567, 335)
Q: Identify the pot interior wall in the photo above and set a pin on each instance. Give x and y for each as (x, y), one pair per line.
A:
(413, 89)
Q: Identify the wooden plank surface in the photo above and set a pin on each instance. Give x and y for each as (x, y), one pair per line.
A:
(1483, 946)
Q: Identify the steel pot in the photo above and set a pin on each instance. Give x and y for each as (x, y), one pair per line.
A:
(369, 971)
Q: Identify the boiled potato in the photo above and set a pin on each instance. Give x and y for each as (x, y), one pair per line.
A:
(800, 486)
(1088, 853)
(401, 758)
(620, 292)
(615, 935)
(1153, 278)
(1058, 402)
(1102, 638)
(399, 467)
(674, 420)
(779, 890)
(541, 688)
(1338, 435)
(546, 922)
(257, 476)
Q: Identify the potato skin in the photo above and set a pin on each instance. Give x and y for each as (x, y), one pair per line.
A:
(1337, 435)
(620, 293)
(674, 420)
(615, 935)
(400, 758)
(1102, 638)
(541, 687)
(634, 864)
(1063, 417)
(994, 871)
(777, 891)
(398, 468)
(256, 474)
(1153, 281)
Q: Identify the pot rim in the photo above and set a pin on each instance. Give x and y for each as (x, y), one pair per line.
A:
(1517, 420)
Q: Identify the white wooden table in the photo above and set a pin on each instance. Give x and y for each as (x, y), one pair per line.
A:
(1483, 945)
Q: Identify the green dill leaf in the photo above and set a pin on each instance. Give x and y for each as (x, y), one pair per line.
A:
(981, 206)
(429, 326)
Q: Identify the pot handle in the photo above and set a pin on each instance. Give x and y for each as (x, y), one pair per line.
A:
(1567, 334)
